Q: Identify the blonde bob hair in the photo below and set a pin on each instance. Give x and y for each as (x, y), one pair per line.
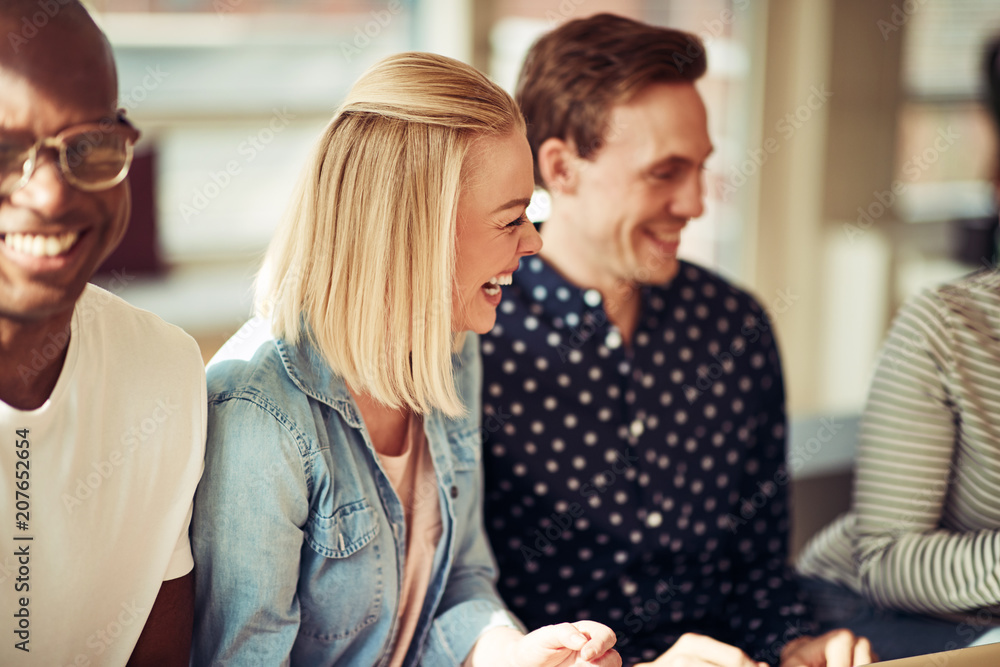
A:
(364, 260)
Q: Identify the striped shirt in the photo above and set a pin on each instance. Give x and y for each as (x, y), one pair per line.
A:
(923, 534)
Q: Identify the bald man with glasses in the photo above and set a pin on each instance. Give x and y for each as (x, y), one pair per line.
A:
(102, 405)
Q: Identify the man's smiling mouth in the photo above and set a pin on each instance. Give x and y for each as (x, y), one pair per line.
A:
(40, 245)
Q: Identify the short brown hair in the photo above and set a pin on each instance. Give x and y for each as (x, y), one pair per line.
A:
(573, 75)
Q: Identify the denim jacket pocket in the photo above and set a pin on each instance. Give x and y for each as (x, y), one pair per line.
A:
(349, 529)
(349, 561)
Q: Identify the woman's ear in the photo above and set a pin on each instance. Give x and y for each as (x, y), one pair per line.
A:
(557, 163)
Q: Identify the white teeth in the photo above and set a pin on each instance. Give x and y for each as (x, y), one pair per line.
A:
(495, 282)
(664, 238)
(40, 245)
(502, 279)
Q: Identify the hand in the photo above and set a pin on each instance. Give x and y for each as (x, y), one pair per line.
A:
(579, 644)
(693, 650)
(837, 648)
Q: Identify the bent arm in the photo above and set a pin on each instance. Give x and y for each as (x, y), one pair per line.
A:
(166, 638)
(247, 539)
(910, 433)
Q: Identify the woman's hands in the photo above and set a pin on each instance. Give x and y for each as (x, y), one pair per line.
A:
(579, 644)
(568, 645)
(589, 644)
(694, 650)
(837, 648)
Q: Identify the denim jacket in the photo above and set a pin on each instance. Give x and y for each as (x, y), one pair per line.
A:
(298, 536)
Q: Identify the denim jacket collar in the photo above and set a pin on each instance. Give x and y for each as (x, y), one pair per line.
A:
(312, 374)
(332, 508)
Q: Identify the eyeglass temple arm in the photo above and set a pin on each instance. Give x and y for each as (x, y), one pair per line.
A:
(121, 118)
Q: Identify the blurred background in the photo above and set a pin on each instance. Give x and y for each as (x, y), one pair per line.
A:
(855, 158)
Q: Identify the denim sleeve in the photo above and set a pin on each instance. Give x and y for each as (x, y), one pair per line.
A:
(246, 535)
(471, 604)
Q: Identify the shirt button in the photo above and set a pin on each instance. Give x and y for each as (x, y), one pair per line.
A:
(654, 520)
(592, 298)
(454, 492)
(613, 340)
(636, 428)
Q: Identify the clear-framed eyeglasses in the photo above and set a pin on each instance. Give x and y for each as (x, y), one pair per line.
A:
(92, 156)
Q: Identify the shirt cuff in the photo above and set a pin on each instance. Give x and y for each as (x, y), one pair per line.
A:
(456, 631)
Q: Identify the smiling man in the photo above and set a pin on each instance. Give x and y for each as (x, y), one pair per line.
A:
(634, 401)
(102, 406)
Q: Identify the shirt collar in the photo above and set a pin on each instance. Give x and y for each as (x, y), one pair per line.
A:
(542, 285)
(312, 374)
(545, 290)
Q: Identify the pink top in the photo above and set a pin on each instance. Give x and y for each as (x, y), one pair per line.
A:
(412, 476)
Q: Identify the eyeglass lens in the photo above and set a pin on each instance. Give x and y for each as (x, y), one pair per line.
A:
(90, 159)
(95, 157)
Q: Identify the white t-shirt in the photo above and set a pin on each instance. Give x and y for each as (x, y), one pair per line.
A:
(113, 459)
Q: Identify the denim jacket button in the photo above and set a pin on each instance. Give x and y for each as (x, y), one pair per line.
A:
(454, 492)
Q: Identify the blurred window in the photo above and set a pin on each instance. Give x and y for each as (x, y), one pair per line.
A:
(233, 93)
(946, 150)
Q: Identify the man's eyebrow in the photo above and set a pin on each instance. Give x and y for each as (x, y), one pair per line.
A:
(525, 202)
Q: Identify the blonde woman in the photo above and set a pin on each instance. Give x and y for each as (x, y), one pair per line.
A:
(339, 517)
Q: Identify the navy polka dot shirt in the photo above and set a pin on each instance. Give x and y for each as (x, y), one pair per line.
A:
(641, 486)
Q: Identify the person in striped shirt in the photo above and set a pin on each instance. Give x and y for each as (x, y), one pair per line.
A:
(915, 565)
